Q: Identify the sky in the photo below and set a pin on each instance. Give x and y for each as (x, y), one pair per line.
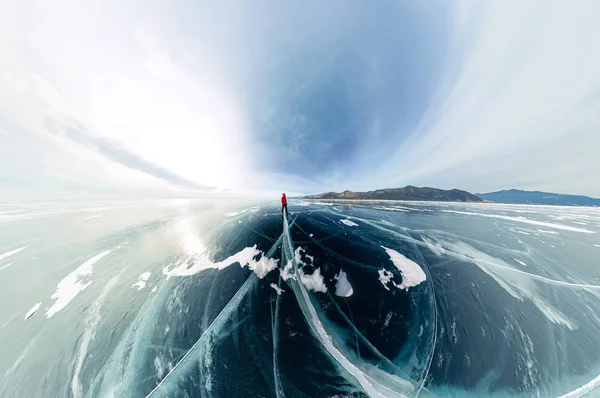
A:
(193, 97)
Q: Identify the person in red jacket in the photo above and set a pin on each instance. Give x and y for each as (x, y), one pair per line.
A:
(284, 204)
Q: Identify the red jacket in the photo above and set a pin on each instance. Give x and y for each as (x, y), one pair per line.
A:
(283, 200)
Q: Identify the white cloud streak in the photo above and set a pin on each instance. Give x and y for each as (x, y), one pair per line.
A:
(520, 107)
(108, 68)
(173, 84)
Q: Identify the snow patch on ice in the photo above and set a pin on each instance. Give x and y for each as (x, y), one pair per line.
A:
(32, 311)
(245, 258)
(403, 208)
(6, 266)
(288, 271)
(12, 252)
(412, 274)
(385, 277)
(298, 253)
(343, 288)
(337, 351)
(68, 288)
(314, 281)
(153, 289)
(520, 262)
(349, 223)
(390, 208)
(545, 231)
(277, 289)
(142, 280)
(524, 220)
(94, 216)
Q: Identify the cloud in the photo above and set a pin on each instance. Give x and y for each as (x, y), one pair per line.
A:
(107, 68)
(521, 106)
(352, 86)
(265, 95)
(119, 154)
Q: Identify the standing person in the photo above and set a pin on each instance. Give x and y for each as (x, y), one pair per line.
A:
(284, 204)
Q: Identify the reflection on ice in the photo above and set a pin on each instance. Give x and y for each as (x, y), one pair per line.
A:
(277, 289)
(412, 274)
(373, 380)
(349, 223)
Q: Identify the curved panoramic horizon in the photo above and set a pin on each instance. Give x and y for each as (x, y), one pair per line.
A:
(252, 97)
(149, 249)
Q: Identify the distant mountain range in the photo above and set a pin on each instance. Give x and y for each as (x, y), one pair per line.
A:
(407, 193)
(538, 198)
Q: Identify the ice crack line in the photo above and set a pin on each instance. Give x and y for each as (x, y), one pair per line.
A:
(235, 299)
